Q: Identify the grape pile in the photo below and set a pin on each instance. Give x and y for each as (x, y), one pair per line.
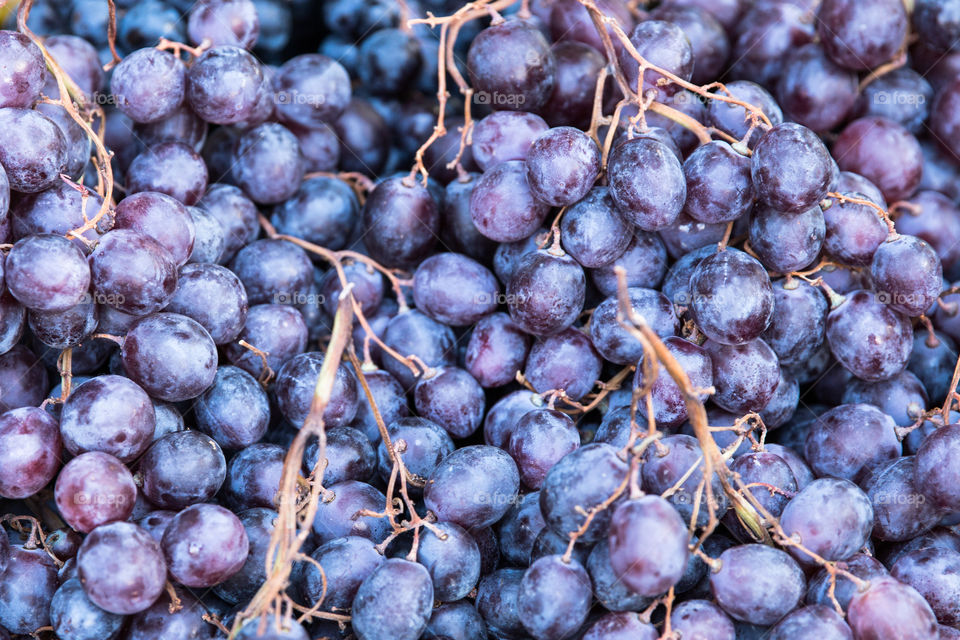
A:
(513, 319)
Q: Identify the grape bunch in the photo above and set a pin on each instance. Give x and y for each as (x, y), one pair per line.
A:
(509, 320)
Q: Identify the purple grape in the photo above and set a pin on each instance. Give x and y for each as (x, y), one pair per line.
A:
(709, 41)
(454, 289)
(884, 26)
(93, 489)
(663, 44)
(907, 274)
(786, 242)
(594, 232)
(324, 211)
(349, 456)
(183, 125)
(148, 84)
(22, 382)
(452, 398)
(234, 411)
(849, 439)
(503, 416)
(402, 223)
(294, 389)
(932, 572)
(56, 210)
(214, 297)
(686, 235)
(613, 341)
(132, 272)
(505, 135)
(457, 228)
(566, 360)
(562, 165)
(937, 468)
(646, 569)
(554, 598)
(816, 622)
(861, 565)
(394, 602)
(903, 96)
(888, 608)
(157, 622)
(155, 523)
(320, 147)
(64, 329)
(311, 89)
(764, 469)
(268, 165)
(854, 232)
(796, 184)
(757, 584)
(734, 119)
(458, 620)
(23, 72)
(511, 67)
(182, 468)
(277, 329)
(646, 182)
(732, 297)
(768, 32)
(274, 272)
(171, 168)
(389, 398)
(204, 545)
(784, 402)
(340, 516)
(645, 261)
(608, 588)
(25, 601)
(867, 146)
(110, 414)
(74, 616)
(253, 477)
(520, 528)
(868, 337)
(223, 85)
(496, 350)
(453, 561)
(902, 397)
(474, 486)
(798, 323)
(497, 596)
(541, 438)
(13, 319)
(46, 273)
(502, 205)
(718, 183)
(546, 293)
(346, 564)
(161, 217)
(571, 102)
(814, 91)
(507, 255)
(30, 448)
(901, 511)
(745, 375)
(171, 356)
(669, 465)
(832, 517)
(224, 22)
(236, 212)
(365, 139)
(121, 567)
(414, 333)
(701, 619)
(426, 444)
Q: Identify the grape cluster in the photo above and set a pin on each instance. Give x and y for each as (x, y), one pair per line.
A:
(521, 319)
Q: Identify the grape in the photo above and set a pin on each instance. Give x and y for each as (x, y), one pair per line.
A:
(162, 218)
(511, 66)
(936, 23)
(402, 221)
(505, 135)
(295, 386)
(734, 119)
(156, 622)
(566, 360)
(745, 375)
(320, 147)
(93, 489)
(888, 608)
(646, 182)
(701, 619)
(349, 456)
(277, 329)
(214, 297)
(155, 523)
(110, 414)
(56, 210)
(608, 588)
(936, 469)
(223, 84)
(854, 232)
(757, 584)
(25, 601)
(861, 565)
(389, 398)
(367, 287)
(554, 598)
(414, 333)
(902, 397)
(646, 569)
(910, 106)
(562, 165)
(796, 184)
(732, 297)
(764, 469)
(663, 44)
(546, 293)
(237, 213)
(814, 91)
(456, 620)
(24, 384)
(457, 229)
(12, 322)
(73, 616)
(453, 561)
(882, 28)
(268, 165)
(507, 255)
(148, 84)
(645, 261)
(686, 235)
(847, 440)
(474, 486)
(171, 168)
(452, 398)
(346, 564)
(519, 529)
(502, 205)
(593, 231)
(932, 364)
(394, 602)
(132, 272)
(224, 22)
(768, 32)
(121, 567)
(931, 572)
(146, 22)
(665, 468)
(569, 21)
(497, 596)
(454, 289)
(858, 149)
(943, 120)
(323, 211)
(709, 41)
(907, 272)
(496, 350)
(540, 439)
(816, 622)
(613, 341)
(868, 337)
(253, 477)
(798, 323)
(311, 89)
(503, 416)
(274, 271)
(571, 102)
(30, 447)
(936, 223)
(786, 242)
(901, 511)
(47, 273)
(389, 60)
(832, 517)
(171, 356)
(204, 544)
(182, 468)
(23, 71)
(340, 516)
(718, 183)
(489, 548)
